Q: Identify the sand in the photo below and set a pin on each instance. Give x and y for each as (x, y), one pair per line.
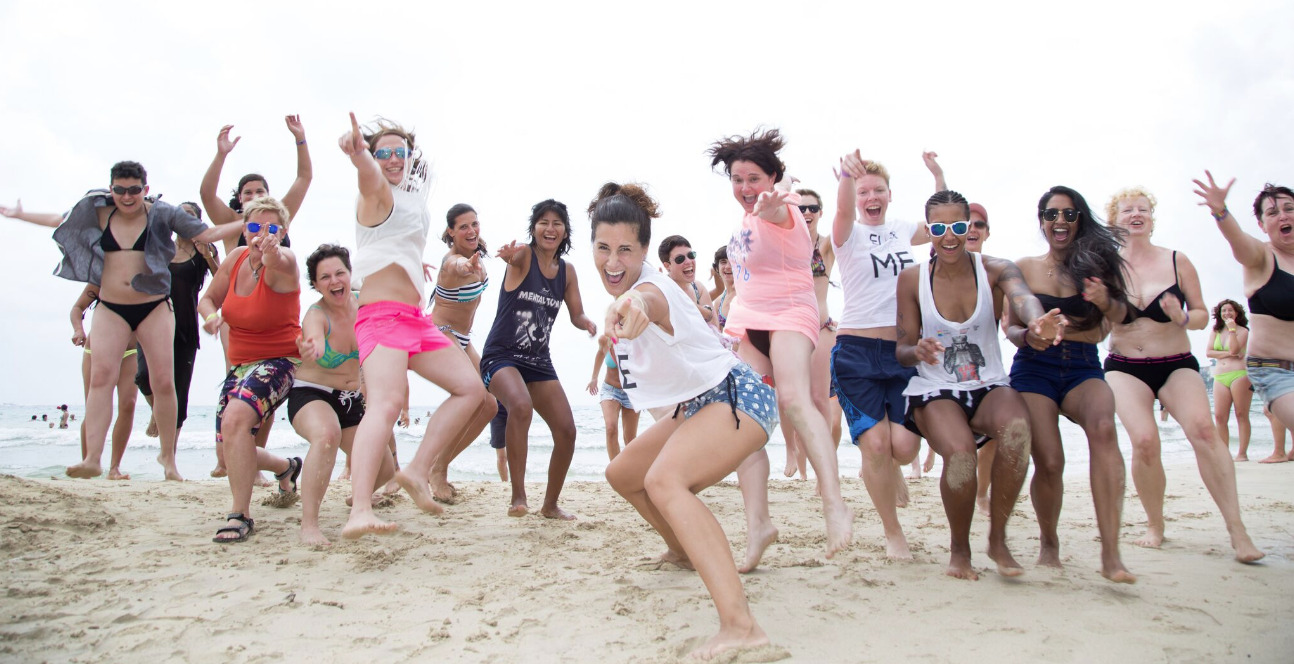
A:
(109, 571)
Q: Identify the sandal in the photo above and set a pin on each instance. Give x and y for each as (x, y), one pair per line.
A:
(244, 530)
(294, 469)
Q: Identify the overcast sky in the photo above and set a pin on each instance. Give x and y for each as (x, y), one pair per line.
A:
(518, 103)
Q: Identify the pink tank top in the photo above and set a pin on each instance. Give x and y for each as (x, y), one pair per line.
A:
(772, 270)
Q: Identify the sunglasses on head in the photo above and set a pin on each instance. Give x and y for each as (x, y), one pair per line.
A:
(805, 209)
(940, 229)
(133, 190)
(1050, 214)
(256, 226)
(385, 153)
(678, 260)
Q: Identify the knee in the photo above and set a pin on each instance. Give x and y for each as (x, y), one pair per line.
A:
(794, 402)
(236, 421)
(1051, 466)
(622, 479)
(1015, 439)
(491, 407)
(387, 410)
(162, 383)
(563, 433)
(328, 441)
(1201, 431)
(1102, 431)
(959, 469)
(613, 430)
(126, 401)
(659, 485)
(1145, 448)
(874, 444)
(472, 389)
(521, 412)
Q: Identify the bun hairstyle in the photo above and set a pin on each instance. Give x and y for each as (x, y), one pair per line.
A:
(624, 204)
(1094, 252)
(760, 148)
(451, 218)
(237, 205)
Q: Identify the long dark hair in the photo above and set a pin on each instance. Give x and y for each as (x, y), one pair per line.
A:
(559, 208)
(237, 205)
(760, 148)
(451, 217)
(1094, 252)
(1241, 319)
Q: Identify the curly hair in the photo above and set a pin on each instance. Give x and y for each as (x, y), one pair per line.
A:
(760, 148)
(325, 251)
(1241, 319)
(1112, 207)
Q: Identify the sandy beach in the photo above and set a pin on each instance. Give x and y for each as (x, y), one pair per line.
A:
(107, 571)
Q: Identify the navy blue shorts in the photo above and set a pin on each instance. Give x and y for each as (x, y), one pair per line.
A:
(532, 370)
(498, 426)
(1055, 371)
(869, 382)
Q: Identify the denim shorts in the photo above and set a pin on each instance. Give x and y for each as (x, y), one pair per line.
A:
(1271, 383)
(1055, 371)
(610, 392)
(743, 390)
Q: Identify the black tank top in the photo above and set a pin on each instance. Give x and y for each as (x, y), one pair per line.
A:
(186, 285)
(525, 316)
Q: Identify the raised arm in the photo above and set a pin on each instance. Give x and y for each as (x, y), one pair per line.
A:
(297, 192)
(83, 301)
(575, 305)
(1248, 250)
(851, 166)
(375, 199)
(935, 170)
(49, 219)
(217, 210)
(630, 314)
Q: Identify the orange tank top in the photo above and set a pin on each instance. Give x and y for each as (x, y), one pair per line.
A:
(263, 325)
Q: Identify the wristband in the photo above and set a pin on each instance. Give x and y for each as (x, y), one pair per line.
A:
(210, 317)
(301, 142)
(1219, 216)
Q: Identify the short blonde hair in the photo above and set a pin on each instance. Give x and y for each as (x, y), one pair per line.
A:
(267, 204)
(1112, 207)
(874, 168)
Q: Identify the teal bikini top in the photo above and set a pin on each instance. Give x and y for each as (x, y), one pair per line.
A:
(331, 359)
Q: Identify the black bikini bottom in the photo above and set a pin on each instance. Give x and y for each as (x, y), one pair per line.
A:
(134, 314)
(1153, 371)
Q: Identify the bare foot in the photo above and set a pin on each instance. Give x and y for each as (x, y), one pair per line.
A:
(1153, 538)
(1049, 557)
(519, 508)
(1117, 573)
(419, 491)
(1275, 458)
(675, 558)
(151, 430)
(1006, 564)
(756, 543)
(959, 567)
(115, 473)
(392, 487)
(345, 473)
(896, 547)
(554, 512)
(789, 471)
(359, 525)
(840, 527)
(729, 639)
(1242, 457)
(84, 470)
(262, 481)
(982, 503)
(901, 493)
(929, 465)
(1246, 552)
(169, 469)
(219, 471)
(440, 487)
(313, 537)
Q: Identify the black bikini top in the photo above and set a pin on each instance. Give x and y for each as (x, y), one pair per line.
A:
(1073, 307)
(109, 242)
(1276, 297)
(1154, 311)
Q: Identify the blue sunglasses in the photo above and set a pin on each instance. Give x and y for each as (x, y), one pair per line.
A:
(255, 227)
(385, 153)
(957, 227)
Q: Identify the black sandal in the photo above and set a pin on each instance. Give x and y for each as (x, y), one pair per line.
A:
(244, 530)
(294, 469)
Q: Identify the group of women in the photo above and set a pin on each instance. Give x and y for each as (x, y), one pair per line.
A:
(662, 352)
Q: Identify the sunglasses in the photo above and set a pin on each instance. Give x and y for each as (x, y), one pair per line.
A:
(980, 224)
(256, 226)
(385, 153)
(678, 260)
(957, 227)
(1050, 214)
(805, 209)
(127, 191)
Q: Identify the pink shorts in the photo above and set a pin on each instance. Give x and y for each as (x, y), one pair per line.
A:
(397, 325)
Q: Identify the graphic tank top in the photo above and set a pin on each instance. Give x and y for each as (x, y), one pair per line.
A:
(972, 358)
(524, 319)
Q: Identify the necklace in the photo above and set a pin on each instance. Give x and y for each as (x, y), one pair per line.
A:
(256, 270)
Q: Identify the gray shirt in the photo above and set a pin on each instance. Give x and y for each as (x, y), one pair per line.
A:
(79, 235)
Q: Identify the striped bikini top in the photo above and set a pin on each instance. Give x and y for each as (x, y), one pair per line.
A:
(464, 293)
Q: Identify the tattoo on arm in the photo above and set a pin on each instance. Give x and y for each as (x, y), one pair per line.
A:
(1011, 281)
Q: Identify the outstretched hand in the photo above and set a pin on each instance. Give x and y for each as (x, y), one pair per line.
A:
(933, 166)
(1215, 197)
(12, 212)
(509, 251)
(352, 142)
(294, 125)
(223, 143)
(427, 270)
(770, 203)
(308, 348)
(626, 317)
(1047, 330)
(853, 165)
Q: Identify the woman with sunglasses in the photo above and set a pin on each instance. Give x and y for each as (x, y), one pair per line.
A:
(1066, 378)
(392, 333)
(865, 373)
(460, 282)
(724, 412)
(1150, 358)
(135, 284)
(775, 315)
(947, 324)
(253, 185)
(515, 362)
(679, 259)
(257, 293)
(1231, 387)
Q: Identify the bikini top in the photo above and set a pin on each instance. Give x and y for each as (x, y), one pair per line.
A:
(816, 264)
(718, 310)
(1154, 311)
(331, 359)
(610, 360)
(109, 242)
(1276, 297)
(696, 292)
(464, 293)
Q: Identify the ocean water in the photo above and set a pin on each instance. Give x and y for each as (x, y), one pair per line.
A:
(33, 449)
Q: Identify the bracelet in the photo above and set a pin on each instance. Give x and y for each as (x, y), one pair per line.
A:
(1219, 216)
(210, 317)
(1187, 320)
(301, 142)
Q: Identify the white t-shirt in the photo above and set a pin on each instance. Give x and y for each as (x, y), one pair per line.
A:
(657, 369)
(870, 262)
